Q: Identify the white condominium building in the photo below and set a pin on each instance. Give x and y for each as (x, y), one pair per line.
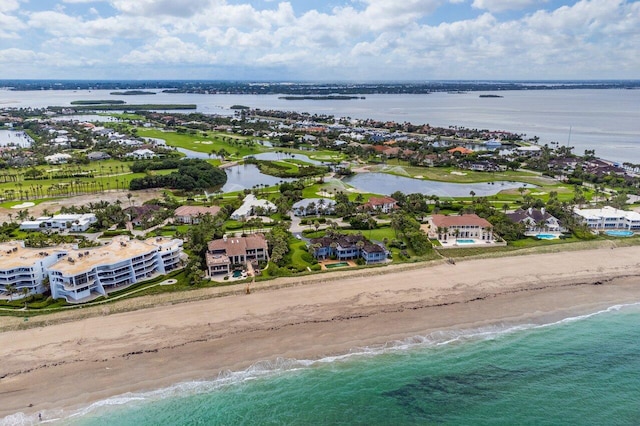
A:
(23, 270)
(87, 273)
(609, 218)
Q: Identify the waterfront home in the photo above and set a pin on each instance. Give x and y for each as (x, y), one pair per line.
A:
(59, 158)
(23, 270)
(314, 206)
(529, 150)
(467, 226)
(608, 218)
(460, 150)
(250, 205)
(83, 274)
(380, 204)
(71, 222)
(536, 220)
(98, 155)
(347, 247)
(191, 214)
(140, 154)
(223, 253)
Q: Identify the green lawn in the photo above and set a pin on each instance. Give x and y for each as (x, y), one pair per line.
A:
(213, 142)
(65, 187)
(109, 174)
(455, 175)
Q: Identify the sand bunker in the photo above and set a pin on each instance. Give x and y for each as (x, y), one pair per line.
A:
(459, 173)
(23, 205)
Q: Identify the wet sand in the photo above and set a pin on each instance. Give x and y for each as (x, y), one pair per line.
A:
(83, 357)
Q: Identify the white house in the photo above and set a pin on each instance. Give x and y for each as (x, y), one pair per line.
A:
(142, 154)
(249, 205)
(536, 220)
(72, 222)
(313, 206)
(609, 218)
(59, 158)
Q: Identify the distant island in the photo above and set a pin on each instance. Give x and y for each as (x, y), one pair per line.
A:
(321, 98)
(98, 102)
(491, 96)
(239, 107)
(132, 92)
(120, 105)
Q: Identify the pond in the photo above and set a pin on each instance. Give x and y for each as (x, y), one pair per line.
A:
(277, 156)
(247, 176)
(386, 184)
(187, 152)
(15, 138)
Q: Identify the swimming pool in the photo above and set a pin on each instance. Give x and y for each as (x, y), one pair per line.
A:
(336, 265)
(237, 274)
(619, 233)
(465, 241)
(546, 236)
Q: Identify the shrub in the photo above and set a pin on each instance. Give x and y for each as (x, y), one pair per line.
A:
(308, 257)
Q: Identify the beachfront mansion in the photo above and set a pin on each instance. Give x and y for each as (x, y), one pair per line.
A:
(80, 275)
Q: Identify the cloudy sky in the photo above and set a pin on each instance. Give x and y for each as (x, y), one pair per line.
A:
(320, 40)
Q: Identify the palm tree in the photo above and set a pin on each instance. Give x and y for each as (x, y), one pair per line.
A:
(11, 289)
(25, 292)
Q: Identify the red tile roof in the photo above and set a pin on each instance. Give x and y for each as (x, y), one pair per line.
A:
(461, 150)
(377, 201)
(440, 220)
(193, 211)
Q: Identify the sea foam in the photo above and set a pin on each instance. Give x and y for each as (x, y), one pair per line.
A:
(271, 368)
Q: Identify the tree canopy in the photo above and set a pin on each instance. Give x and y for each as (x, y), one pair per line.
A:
(192, 174)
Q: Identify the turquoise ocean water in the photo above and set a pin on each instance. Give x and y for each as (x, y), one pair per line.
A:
(579, 371)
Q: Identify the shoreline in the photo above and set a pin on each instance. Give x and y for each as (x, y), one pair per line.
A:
(69, 365)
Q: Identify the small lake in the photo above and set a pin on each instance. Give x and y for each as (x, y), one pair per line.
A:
(187, 152)
(15, 138)
(383, 183)
(246, 176)
(277, 156)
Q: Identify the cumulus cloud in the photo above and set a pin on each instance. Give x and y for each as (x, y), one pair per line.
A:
(79, 41)
(16, 56)
(161, 7)
(361, 39)
(169, 50)
(502, 5)
(9, 5)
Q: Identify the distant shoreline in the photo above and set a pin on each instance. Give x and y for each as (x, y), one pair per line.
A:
(317, 89)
